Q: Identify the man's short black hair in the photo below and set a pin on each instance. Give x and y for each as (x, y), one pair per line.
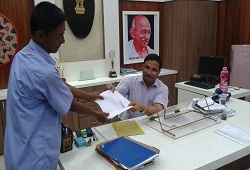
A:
(154, 57)
(46, 17)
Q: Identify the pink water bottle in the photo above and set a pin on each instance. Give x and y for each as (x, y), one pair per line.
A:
(224, 74)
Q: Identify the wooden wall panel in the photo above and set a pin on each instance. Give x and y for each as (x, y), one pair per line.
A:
(19, 13)
(170, 82)
(189, 31)
(233, 26)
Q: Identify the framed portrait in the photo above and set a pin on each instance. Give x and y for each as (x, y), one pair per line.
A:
(140, 35)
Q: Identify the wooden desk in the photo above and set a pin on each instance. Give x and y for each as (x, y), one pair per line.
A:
(203, 150)
(187, 93)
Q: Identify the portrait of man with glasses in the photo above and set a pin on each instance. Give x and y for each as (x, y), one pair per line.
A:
(140, 33)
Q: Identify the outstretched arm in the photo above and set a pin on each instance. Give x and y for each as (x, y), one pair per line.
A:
(83, 109)
(147, 110)
(77, 93)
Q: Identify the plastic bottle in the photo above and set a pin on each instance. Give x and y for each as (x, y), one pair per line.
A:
(224, 74)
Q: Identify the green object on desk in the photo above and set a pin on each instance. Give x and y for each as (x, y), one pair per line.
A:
(95, 138)
(84, 133)
(234, 111)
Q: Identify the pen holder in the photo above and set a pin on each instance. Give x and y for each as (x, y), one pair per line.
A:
(67, 139)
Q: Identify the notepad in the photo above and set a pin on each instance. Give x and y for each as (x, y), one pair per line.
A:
(113, 103)
(128, 153)
(127, 128)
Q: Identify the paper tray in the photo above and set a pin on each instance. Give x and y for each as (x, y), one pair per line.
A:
(181, 123)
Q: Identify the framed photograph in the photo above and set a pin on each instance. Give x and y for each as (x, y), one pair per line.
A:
(140, 35)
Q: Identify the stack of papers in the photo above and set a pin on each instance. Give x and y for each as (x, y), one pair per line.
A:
(125, 71)
(207, 106)
(127, 153)
(236, 134)
(114, 103)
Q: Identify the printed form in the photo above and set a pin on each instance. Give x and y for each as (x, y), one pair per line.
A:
(113, 103)
(236, 134)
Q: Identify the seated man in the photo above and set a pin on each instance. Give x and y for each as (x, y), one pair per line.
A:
(146, 92)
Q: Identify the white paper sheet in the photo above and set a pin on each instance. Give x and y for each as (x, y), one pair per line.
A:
(113, 103)
(236, 134)
(177, 121)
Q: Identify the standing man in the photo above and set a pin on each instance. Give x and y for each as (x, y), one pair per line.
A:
(146, 92)
(140, 32)
(37, 97)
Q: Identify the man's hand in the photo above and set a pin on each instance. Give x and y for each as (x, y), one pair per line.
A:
(136, 107)
(102, 117)
(111, 87)
(95, 96)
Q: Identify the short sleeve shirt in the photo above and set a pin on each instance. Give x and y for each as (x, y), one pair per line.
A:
(36, 100)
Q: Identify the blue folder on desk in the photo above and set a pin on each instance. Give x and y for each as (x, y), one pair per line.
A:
(128, 153)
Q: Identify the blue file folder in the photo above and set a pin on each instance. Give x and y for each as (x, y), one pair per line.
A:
(128, 153)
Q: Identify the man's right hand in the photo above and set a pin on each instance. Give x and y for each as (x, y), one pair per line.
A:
(110, 87)
(102, 117)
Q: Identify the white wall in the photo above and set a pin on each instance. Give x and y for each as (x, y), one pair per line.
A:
(111, 40)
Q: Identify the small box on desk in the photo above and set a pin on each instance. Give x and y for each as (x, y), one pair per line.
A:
(79, 142)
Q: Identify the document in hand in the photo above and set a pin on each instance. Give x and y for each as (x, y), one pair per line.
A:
(127, 153)
(113, 103)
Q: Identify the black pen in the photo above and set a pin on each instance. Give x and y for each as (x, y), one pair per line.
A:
(93, 136)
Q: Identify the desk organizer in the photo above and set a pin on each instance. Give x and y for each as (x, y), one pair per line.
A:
(177, 121)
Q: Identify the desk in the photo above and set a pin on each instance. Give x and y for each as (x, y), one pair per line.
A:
(204, 150)
(187, 93)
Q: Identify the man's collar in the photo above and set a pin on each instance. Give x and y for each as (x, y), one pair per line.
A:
(34, 46)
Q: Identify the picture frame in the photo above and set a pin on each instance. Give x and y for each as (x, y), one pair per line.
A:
(137, 44)
(9, 40)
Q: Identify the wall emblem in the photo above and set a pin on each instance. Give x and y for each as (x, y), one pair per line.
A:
(80, 16)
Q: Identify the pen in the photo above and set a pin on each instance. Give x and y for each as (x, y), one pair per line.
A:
(95, 137)
(89, 142)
